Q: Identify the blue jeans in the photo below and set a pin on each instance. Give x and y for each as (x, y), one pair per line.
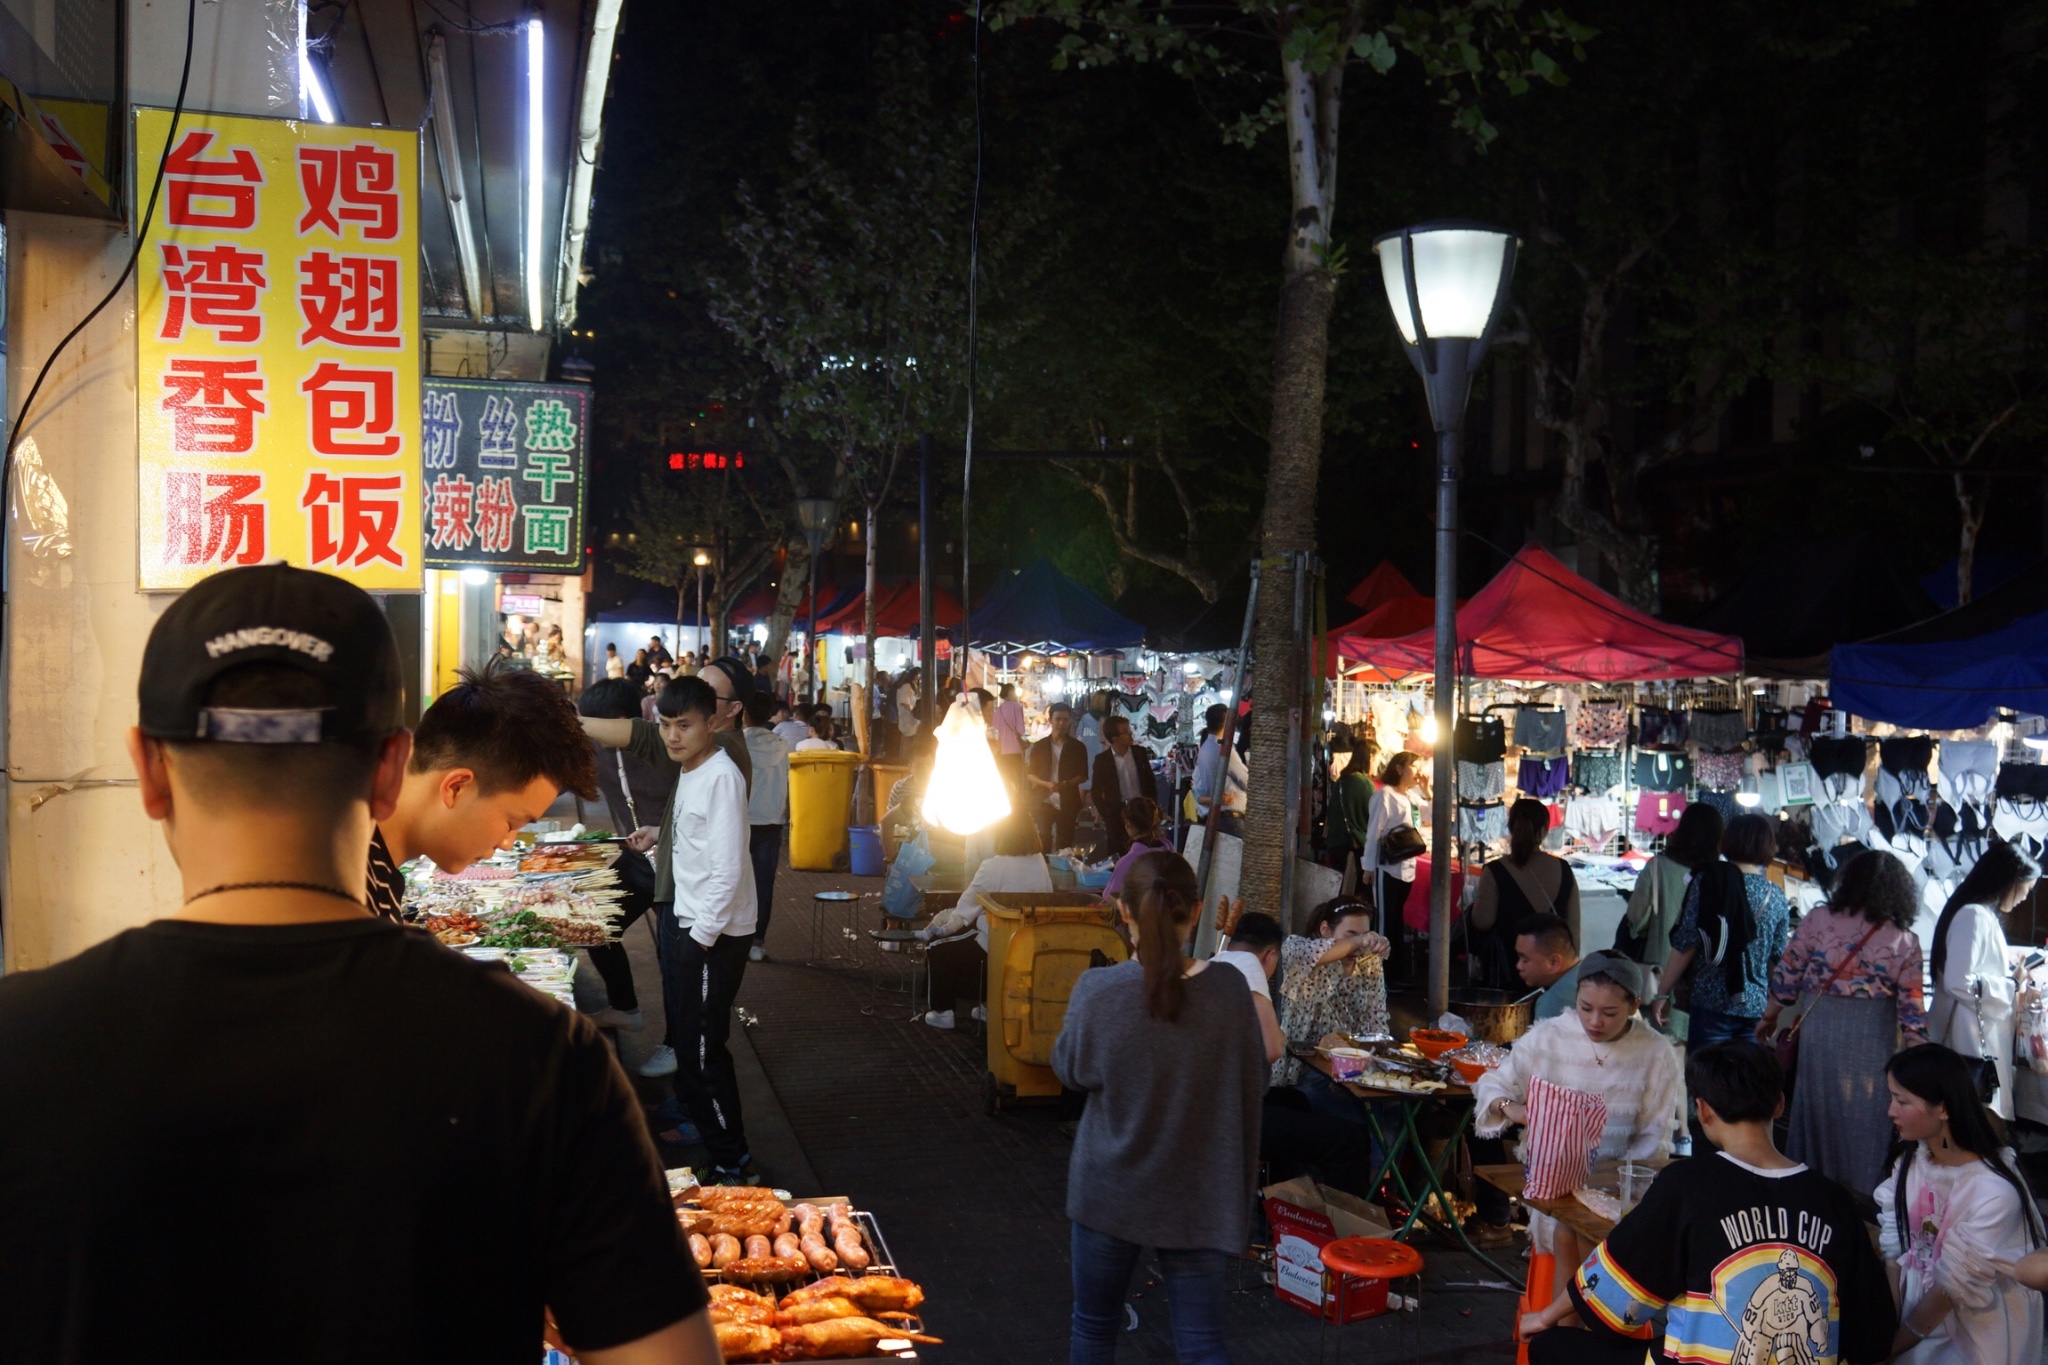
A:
(1707, 1027)
(1195, 1295)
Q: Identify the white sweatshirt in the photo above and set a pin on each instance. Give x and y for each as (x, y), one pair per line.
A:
(713, 873)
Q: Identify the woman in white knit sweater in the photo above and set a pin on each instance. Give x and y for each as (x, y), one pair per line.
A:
(1603, 1047)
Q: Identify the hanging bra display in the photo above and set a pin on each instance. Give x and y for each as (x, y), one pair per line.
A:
(2023, 780)
(1969, 769)
(1836, 756)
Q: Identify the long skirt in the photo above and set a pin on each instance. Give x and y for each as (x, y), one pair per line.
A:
(1838, 1122)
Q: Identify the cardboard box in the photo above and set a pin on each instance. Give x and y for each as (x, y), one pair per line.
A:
(1305, 1218)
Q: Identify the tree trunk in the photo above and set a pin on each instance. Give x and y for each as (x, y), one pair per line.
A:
(1301, 351)
(1971, 504)
(789, 592)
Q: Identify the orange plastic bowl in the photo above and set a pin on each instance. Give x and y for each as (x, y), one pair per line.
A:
(1469, 1072)
(1434, 1043)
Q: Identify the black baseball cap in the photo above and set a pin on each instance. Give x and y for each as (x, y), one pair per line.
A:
(312, 623)
(738, 674)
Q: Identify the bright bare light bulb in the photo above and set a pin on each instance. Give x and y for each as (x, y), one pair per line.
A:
(1429, 728)
(966, 792)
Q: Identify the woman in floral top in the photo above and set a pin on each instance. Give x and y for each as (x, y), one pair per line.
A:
(1732, 984)
(1863, 1015)
(1332, 980)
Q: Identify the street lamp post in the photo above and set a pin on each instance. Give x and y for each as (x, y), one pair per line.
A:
(813, 515)
(1446, 283)
(700, 559)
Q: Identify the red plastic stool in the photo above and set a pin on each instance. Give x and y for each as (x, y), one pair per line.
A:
(1537, 1295)
(1370, 1260)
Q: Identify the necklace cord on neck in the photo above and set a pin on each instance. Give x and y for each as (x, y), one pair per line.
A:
(317, 887)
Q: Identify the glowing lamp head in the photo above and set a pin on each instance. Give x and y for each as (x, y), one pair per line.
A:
(1429, 729)
(966, 792)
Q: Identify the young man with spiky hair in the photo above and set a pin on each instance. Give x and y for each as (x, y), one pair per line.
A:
(490, 756)
(336, 1104)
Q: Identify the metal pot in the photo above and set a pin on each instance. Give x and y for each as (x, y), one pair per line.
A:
(1493, 1016)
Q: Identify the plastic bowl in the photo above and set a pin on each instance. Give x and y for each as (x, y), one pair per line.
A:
(1434, 1043)
(1470, 1072)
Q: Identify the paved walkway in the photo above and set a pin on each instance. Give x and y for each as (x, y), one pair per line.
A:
(843, 1097)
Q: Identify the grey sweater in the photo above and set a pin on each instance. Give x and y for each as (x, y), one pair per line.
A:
(1168, 1149)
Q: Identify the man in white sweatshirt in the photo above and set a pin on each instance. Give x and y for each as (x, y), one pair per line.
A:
(715, 911)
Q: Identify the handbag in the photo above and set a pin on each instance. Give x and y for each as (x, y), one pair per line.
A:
(1401, 843)
(1786, 1045)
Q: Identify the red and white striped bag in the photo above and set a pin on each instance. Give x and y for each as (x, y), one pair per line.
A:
(1563, 1129)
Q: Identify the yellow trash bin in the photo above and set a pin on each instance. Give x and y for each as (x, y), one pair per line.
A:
(1039, 943)
(820, 797)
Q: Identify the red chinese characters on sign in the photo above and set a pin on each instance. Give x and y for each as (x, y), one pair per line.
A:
(497, 512)
(215, 193)
(226, 528)
(451, 503)
(219, 287)
(350, 300)
(213, 405)
(353, 410)
(356, 184)
(353, 518)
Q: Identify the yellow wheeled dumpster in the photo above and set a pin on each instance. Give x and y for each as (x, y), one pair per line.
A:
(1039, 943)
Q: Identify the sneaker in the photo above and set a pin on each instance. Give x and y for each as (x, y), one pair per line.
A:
(746, 1173)
(632, 1021)
(660, 1062)
(757, 954)
(940, 1019)
(978, 1013)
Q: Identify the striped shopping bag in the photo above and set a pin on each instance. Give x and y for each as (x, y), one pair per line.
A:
(1563, 1129)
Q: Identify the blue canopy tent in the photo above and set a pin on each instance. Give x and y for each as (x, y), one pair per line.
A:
(1039, 608)
(1945, 684)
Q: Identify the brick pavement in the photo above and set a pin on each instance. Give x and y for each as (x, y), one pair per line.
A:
(890, 1112)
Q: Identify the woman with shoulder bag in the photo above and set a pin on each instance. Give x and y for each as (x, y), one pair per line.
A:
(1380, 862)
(1659, 894)
(1976, 989)
(1526, 882)
(1855, 964)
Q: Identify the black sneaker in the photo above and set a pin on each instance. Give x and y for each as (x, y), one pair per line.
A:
(746, 1173)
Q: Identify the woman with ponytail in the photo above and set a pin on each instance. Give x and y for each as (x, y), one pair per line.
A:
(1167, 1151)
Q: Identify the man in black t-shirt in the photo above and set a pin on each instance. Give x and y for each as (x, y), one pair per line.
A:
(359, 1145)
(1745, 1256)
(490, 756)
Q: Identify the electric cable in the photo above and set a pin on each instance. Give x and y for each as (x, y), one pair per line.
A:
(141, 237)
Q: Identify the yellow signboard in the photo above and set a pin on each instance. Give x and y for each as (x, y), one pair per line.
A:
(278, 374)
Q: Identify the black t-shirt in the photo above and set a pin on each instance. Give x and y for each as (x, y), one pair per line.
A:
(1745, 1266)
(319, 1143)
(385, 886)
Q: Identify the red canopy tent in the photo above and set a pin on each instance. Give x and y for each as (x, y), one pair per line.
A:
(896, 612)
(1383, 585)
(1539, 621)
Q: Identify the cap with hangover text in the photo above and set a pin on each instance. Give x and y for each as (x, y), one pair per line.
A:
(312, 623)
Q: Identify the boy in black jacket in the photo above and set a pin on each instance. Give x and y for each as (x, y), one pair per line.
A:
(1745, 1255)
